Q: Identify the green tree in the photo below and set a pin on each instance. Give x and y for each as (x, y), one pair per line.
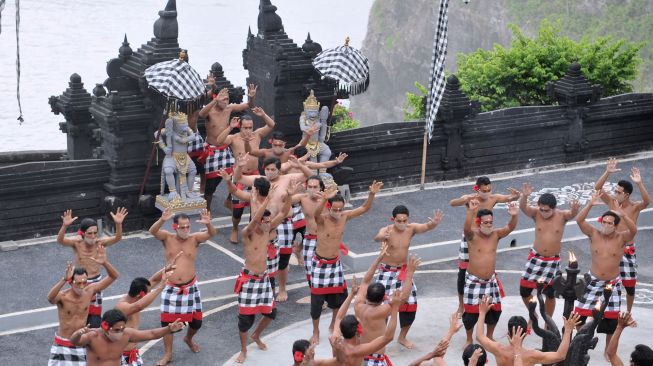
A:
(502, 78)
(343, 119)
(414, 109)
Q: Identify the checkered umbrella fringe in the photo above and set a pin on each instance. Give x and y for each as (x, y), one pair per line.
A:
(347, 66)
(437, 80)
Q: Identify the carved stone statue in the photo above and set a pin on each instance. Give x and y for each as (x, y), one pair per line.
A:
(178, 171)
(317, 148)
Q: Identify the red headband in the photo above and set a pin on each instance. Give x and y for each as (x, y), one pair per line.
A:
(104, 325)
(328, 205)
(298, 356)
(475, 187)
(141, 294)
(174, 226)
(478, 221)
(600, 219)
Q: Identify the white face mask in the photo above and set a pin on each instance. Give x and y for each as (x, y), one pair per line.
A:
(183, 234)
(114, 337)
(271, 175)
(89, 241)
(486, 230)
(620, 197)
(401, 227)
(484, 195)
(607, 230)
(335, 215)
(547, 214)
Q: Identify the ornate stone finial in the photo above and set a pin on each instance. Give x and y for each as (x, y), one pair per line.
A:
(573, 89)
(216, 70)
(166, 27)
(311, 102)
(183, 55)
(125, 51)
(249, 32)
(347, 41)
(75, 79)
(99, 90)
(268, 20)
(311, 48)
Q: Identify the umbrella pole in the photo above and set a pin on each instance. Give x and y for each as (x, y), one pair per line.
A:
(149, 161)
(423, 178)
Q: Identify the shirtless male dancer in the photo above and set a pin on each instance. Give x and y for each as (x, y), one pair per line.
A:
(372, 311)
(543, 262)
(72, 308)
(327, 276)
(346, 340)
(139, 297)
(272, 168)
(487, 200)
(392, 270)
(508, 355)
(181, 297)
(104, 346)
(219, 156)
(86, 245)
(606, 245)
(481, 278)
(253, 287)
(238, 144)
(621, 198)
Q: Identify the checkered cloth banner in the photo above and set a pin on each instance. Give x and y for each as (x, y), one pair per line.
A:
(175, 79)
(347, 66)
(437, 80)
(2, 7)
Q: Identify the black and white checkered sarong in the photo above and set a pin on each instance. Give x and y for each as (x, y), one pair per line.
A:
(539, 267)
(476, 288)
(272, 258)
(95, 307)
(64, 353)
(217, 157)
(298, 219)
(376, 359)
(327, 276)
(308, 249)
(594, 291)
(285, 236)
(628, 266)
(195, 145)
(136, 359)
(389, 276)
(181, 302)
(255, 294)
(463, 253)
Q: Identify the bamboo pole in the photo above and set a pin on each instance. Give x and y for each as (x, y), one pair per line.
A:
(423, 179)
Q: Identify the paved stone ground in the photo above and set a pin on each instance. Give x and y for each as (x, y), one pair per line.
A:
(27, 321)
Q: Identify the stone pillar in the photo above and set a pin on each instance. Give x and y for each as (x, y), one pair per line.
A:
(79, 126)
(454, 108)
(575, 94)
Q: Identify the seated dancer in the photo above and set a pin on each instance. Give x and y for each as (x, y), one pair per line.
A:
(181, 297)
(392, 270)
(253, 285)
(327, 277)
(216, 156)
(139, 297)
(621, 199)
(436, 357)
(607, 247)
(641, 356)
(543, 262)
(238, 143)
(481, 278)
(85, 245)
(487, 200)
(371, 310)
(271, 168)
(346, 343)
(308, 201)
(104, 346)
(72, 308)
(507, 354)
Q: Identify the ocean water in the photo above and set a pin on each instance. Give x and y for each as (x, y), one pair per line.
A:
(62, 37)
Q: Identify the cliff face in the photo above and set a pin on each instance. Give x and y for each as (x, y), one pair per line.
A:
(399, 41)
(399, 45)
